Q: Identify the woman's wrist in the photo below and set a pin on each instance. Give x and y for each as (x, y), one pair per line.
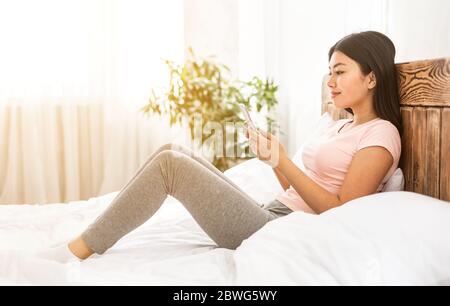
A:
(282, 163)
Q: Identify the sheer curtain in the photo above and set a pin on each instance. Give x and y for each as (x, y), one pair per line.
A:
(74, 76)
(289, 40)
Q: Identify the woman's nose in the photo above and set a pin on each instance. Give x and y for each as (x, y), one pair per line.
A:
(330, 82)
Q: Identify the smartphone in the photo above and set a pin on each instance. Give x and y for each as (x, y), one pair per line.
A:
(247, 116)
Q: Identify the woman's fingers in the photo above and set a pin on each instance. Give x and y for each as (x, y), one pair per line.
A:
(259, 144)
(266, 134)
(259, 132)
(251, 136)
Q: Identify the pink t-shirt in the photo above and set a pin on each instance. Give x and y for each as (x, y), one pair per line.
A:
(327, 157)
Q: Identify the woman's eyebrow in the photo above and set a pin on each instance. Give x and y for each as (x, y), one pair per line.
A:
(337, 65)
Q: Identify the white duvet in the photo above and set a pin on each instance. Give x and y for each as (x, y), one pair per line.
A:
(363, 242)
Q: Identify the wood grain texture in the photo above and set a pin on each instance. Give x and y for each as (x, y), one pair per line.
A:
(419, 125)
(406, 159)
(424, 83)
(432, 151)
(445, 155)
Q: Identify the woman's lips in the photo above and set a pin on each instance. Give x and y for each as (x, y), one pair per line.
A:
(333, 95)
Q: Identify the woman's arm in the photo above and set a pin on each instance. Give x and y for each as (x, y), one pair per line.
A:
(368, 168)
(282, 179)
(366, 172)
(317, 197)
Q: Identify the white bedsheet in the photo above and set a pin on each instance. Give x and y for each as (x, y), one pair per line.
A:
(169, 249)
(391, 238)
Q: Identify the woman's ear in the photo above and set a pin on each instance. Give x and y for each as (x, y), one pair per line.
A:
(372, 80)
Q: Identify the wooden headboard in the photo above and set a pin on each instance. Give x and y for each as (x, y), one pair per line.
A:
(424, 89)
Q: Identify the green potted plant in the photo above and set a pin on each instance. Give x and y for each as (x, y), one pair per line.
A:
(202, 92)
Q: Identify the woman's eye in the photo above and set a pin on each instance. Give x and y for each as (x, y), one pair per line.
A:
(339, 72)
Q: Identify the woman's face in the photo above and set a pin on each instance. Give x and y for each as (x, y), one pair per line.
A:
(348, 86)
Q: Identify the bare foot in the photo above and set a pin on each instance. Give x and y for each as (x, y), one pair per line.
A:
(80, 249)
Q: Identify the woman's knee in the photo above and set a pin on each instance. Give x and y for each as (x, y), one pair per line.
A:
(167, 146)
(170, 156)
(178, 148)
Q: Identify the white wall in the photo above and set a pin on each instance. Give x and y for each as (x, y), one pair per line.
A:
(211, 28)
(419, 29)
(289, 40)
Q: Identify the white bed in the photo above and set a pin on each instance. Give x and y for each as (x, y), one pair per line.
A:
(169, 249)
(389, 238)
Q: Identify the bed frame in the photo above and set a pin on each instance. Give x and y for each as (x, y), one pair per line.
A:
(424, 88)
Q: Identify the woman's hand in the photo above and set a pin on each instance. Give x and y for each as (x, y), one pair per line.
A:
(266, 147)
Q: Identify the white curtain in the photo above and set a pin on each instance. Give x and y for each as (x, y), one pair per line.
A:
(289, 40)
(74, 75)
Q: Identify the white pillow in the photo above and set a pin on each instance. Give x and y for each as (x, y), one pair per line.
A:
(257, 179)
(396, 182)
(390, 238)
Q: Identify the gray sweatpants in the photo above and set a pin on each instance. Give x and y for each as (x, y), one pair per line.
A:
(225, 212)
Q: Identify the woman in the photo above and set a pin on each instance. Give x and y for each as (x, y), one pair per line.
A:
(351, 159)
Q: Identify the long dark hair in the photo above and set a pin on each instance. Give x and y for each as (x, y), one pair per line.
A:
(374, 51)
